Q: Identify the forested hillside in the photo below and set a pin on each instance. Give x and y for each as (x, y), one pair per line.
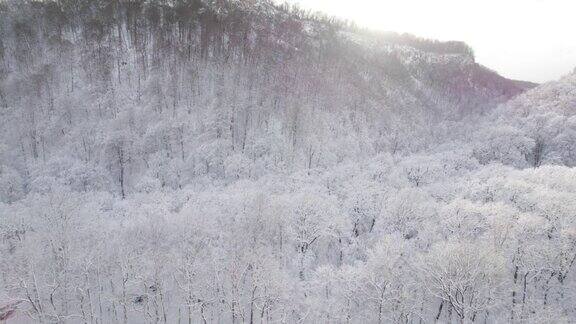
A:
(120, 95)
(192, 161)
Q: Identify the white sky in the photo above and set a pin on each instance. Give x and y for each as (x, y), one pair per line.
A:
(532, 40)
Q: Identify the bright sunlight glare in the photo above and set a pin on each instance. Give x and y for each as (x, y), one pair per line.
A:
(521, 39)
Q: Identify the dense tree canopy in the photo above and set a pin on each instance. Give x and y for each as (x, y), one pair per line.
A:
(189, 161)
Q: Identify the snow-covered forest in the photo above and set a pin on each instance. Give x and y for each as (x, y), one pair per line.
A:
(239, 161)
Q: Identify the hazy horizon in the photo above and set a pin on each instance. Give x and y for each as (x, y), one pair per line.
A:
(524, 40)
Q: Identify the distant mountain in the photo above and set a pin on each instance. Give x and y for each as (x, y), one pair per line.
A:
(444, 74)
(526, 85)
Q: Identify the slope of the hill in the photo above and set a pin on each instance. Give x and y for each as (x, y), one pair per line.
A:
(554, 97)
(540, 123)
(117, 95)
